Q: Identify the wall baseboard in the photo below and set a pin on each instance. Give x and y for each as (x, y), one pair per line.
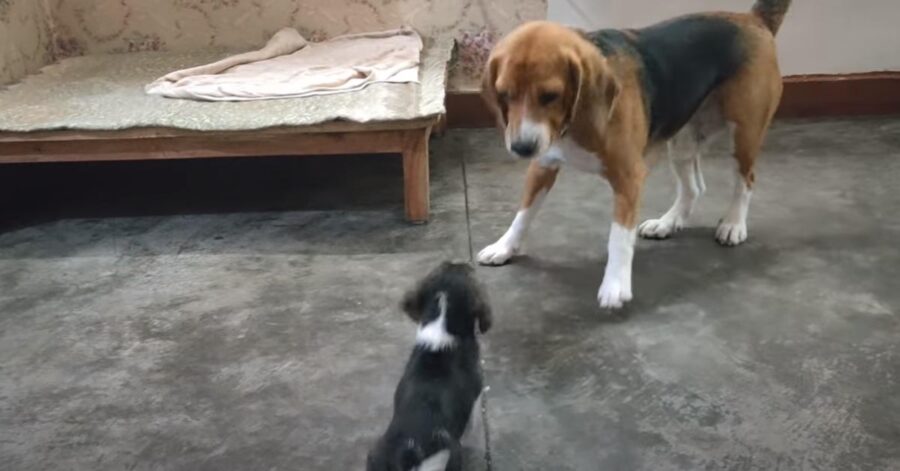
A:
(809, 96)
(468, 110)
(805, 96)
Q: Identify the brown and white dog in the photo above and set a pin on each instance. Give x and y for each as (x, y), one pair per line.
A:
(604, 101)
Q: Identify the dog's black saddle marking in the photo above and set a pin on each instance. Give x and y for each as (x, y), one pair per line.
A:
(681, 62)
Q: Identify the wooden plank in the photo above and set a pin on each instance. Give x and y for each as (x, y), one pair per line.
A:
(157, 132)
(205, 146)
(416, 192)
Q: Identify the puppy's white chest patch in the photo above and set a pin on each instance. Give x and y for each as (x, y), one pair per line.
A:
(567, 151)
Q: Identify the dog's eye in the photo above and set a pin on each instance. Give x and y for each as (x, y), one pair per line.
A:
(503, 97)
(548, 98)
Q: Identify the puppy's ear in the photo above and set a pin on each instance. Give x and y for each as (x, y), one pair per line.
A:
(412, 304)
(482, 311)
(489, 90)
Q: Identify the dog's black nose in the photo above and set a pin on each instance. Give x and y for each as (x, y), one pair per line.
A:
(524, 148)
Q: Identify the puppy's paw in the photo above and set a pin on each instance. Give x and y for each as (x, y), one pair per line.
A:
(731, 234)
(497, 253)
(661, 228)
(613, 293)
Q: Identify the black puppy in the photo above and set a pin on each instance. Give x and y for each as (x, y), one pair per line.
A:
(442, 381)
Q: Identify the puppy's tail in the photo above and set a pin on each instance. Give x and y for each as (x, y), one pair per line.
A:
(771, 12)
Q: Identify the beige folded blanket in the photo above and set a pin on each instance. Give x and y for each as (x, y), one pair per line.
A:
(290, 67)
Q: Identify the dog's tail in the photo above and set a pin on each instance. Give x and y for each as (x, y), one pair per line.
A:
(771, 12)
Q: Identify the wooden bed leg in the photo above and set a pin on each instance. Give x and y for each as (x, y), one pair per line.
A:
(415, 175)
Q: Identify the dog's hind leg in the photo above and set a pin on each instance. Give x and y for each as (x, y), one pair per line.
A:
(732, 229)
(689, 187)
(684, 151)
(749, 100)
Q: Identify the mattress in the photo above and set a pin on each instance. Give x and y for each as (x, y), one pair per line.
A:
(106, 93)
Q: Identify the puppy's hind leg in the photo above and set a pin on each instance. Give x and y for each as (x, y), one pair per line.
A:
(475, 432)
(450, 458)
(456, 458)
(439, 461)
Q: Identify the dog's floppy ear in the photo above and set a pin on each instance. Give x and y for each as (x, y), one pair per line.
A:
(611, 88)
(584, 72)
(489, 90)
(574, 84)
(485, 318)
(412, 303)
(482, 311)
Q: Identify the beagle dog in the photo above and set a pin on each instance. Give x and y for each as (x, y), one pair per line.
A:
(605, 101)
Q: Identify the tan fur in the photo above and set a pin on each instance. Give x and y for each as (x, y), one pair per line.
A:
(538, 179)
(751, 97)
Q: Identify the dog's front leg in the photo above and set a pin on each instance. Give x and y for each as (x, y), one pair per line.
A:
(538, 182)
(627, 183)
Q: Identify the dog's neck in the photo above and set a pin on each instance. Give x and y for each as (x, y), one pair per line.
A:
(433, 336)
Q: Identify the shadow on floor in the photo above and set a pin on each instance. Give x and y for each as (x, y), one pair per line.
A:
(37, 193)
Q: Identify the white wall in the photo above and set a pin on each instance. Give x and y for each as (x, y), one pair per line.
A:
(818, 36)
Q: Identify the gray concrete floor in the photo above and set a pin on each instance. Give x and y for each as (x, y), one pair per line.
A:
(242, 314)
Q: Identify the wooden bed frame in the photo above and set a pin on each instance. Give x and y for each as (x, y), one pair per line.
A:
(407, 138)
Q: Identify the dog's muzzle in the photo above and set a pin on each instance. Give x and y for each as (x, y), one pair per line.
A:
(524, 148)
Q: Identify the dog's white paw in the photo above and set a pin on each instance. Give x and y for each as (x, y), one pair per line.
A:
(731, 234)
(497, 253)
(613, 293)
(661, 228)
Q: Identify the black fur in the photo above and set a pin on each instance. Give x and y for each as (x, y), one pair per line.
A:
(435, 397)
(681, 61)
